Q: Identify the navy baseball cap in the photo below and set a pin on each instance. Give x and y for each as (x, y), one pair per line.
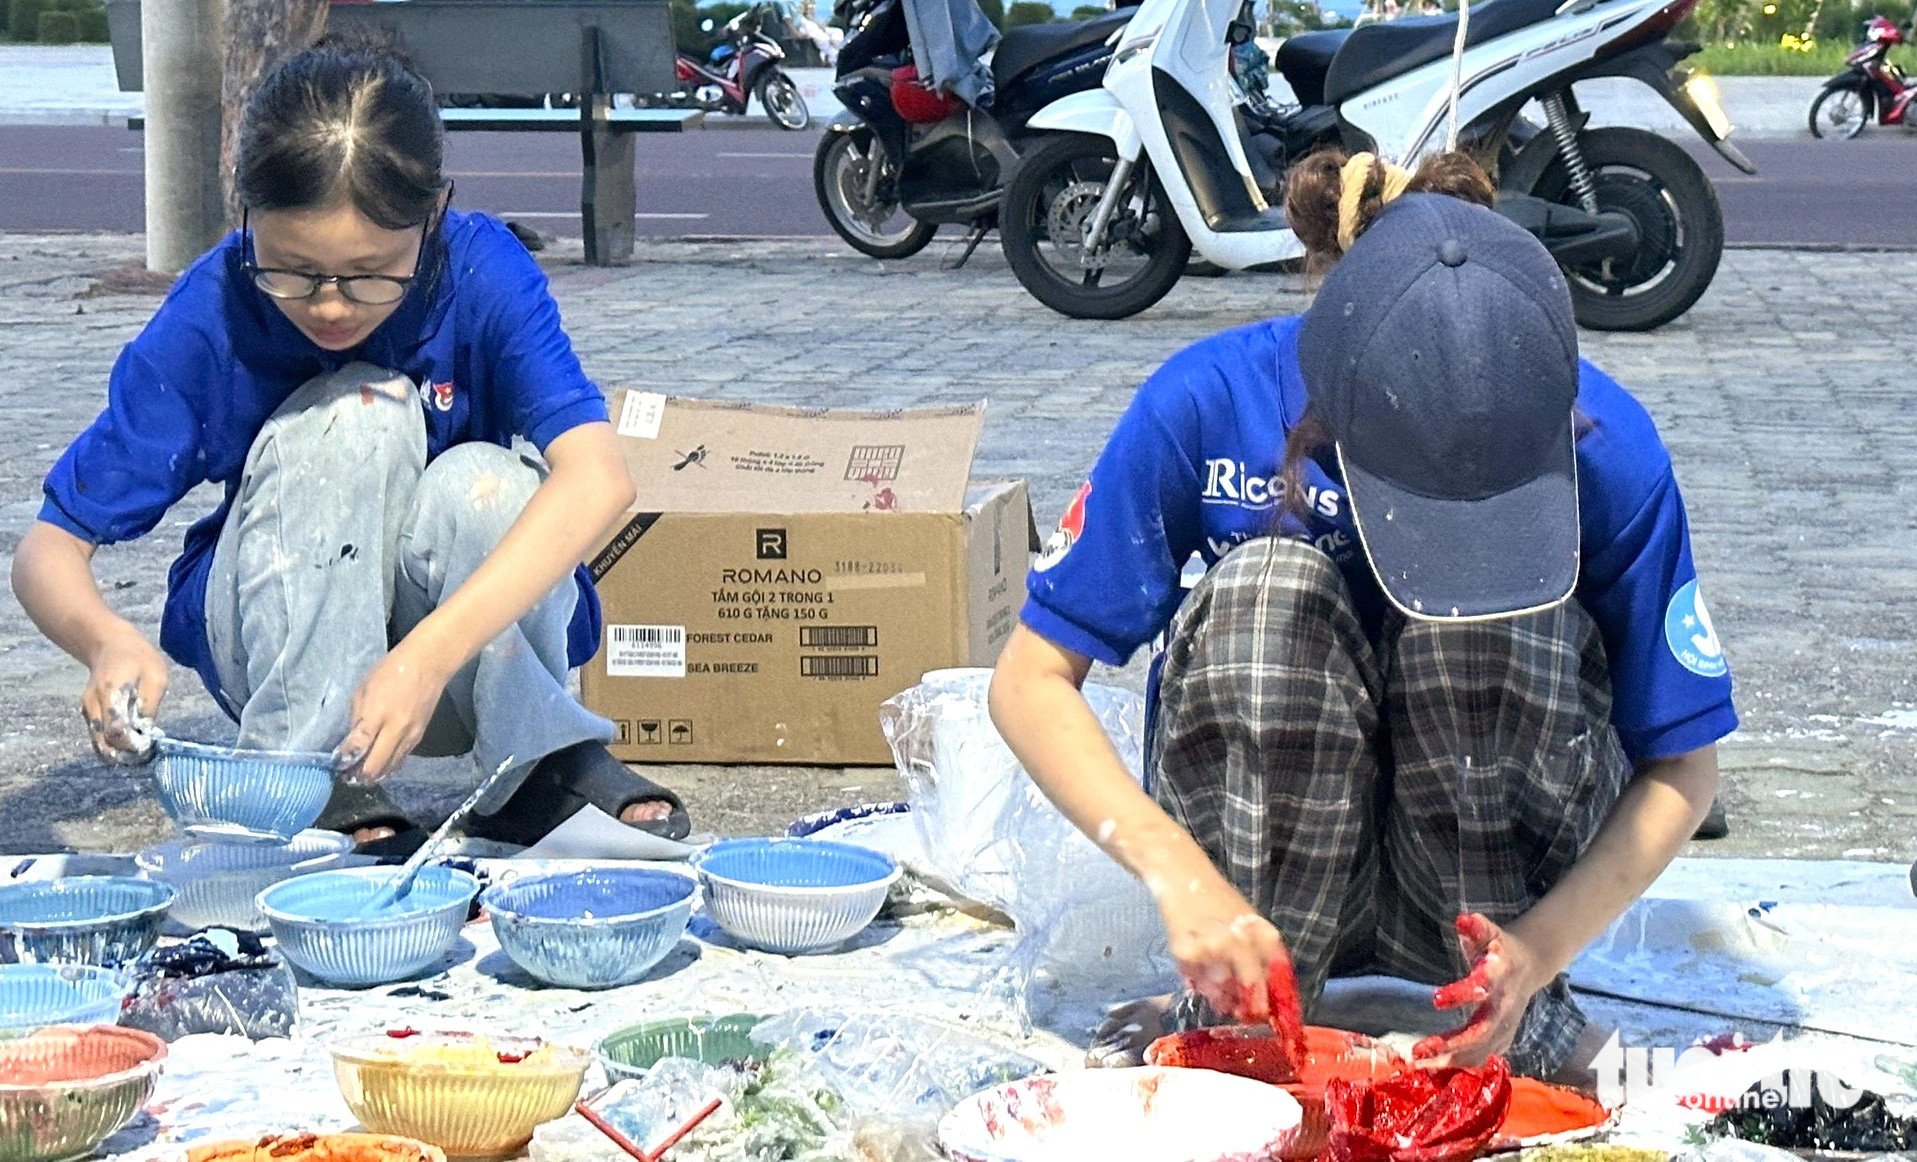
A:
(1442, 356)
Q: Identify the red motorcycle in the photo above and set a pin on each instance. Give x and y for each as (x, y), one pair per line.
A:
(1872, 83)
(745, 63)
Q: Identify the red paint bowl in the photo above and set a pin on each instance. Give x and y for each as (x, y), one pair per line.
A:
(66, 1089)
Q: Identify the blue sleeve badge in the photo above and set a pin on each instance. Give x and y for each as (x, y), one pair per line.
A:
(1691, 636)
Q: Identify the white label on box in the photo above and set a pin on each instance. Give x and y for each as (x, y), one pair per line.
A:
(645, 651)
(642, 414)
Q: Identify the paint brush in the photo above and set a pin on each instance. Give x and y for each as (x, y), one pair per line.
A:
(409, 871)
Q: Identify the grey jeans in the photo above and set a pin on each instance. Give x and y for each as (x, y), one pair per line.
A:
(342, 539)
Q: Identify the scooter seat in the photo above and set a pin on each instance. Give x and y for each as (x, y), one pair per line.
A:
(1303, 61)
(1024, 48)
(1378, 52)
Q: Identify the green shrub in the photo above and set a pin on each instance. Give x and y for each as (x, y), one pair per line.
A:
(91, 15)
(1024, 12)
(59, 28)
(23, 18)
(994, 11)
(1088, 12)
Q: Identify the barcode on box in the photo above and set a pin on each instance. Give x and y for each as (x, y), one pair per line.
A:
(816, 666)
(838, 637)
(645, 651)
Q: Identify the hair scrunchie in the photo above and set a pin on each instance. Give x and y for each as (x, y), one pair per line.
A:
(1353, 178)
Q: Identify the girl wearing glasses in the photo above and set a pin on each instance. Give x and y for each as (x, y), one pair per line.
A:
(385, 573)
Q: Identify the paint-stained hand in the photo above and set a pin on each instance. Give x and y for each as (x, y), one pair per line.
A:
(1222, 946)
(1504, 976)
(391, 710)
(126, 682)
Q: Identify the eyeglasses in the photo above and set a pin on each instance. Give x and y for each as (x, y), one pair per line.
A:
(368, 290)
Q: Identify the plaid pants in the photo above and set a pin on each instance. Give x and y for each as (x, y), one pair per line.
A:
(1362, 795)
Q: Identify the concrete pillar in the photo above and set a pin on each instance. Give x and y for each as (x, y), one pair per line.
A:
(181, 59)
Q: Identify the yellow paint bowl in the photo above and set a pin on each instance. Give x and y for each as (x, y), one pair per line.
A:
(471, 1096)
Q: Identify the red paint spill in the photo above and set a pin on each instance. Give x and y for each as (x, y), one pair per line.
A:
(511, 1058)
(402, 1034)
(1418, 1115)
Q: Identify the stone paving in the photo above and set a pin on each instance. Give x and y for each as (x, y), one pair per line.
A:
(1786, 397)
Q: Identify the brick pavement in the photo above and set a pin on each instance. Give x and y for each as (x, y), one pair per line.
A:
(1785, 396)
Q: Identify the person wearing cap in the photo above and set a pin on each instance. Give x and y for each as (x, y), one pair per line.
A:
(1445, 701)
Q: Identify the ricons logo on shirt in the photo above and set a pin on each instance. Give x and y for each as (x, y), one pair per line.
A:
(1230, 482)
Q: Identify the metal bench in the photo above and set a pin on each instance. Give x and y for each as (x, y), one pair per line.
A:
(522, 48)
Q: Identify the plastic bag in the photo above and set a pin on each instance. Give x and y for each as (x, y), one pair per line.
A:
(893, 1066)
(1084, 924)
(220, 981)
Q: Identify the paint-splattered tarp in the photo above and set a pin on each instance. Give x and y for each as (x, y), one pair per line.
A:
(1819, 950)
(937, 963)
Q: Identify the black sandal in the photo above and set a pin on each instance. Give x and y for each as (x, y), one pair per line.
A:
(566, 781)
(357, 807)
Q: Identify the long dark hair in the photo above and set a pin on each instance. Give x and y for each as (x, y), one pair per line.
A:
(345, 121)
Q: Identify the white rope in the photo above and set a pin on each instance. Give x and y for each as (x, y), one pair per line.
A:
(1457, 69)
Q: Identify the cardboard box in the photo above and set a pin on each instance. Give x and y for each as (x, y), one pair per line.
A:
(784, 571)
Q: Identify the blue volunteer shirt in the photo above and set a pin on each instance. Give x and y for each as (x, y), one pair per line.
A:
(187, 397)
(1193, 467)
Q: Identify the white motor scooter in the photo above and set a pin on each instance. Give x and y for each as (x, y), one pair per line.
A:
(1100, 221)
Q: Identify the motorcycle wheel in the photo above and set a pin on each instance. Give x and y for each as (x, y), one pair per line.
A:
(1046, 210)
(1680, 229)
(1843, 112)
(839, 169)
(782, 101)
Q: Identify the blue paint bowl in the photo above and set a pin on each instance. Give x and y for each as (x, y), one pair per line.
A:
(793, 895)
(322, 925)
(36, 995)
(592, 929)
(241, 796)
(104, 920)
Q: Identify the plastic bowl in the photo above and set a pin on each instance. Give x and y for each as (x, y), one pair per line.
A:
(454, 1091)
(241, 796)
(36, 995)
(793, 895)
(106, 920)
(317, 1148)
(64, 1091)
(1142, 1113)
(322, 925)
(630, 1052)
(591, 929)
(219, 883)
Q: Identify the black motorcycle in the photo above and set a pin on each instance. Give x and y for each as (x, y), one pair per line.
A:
(903, 160)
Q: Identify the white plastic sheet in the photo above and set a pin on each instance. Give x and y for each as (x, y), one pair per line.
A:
(1085, 926)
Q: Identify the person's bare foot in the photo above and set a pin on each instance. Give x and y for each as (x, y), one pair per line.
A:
(1121, 1039)
(646, 811)
(373, 834)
